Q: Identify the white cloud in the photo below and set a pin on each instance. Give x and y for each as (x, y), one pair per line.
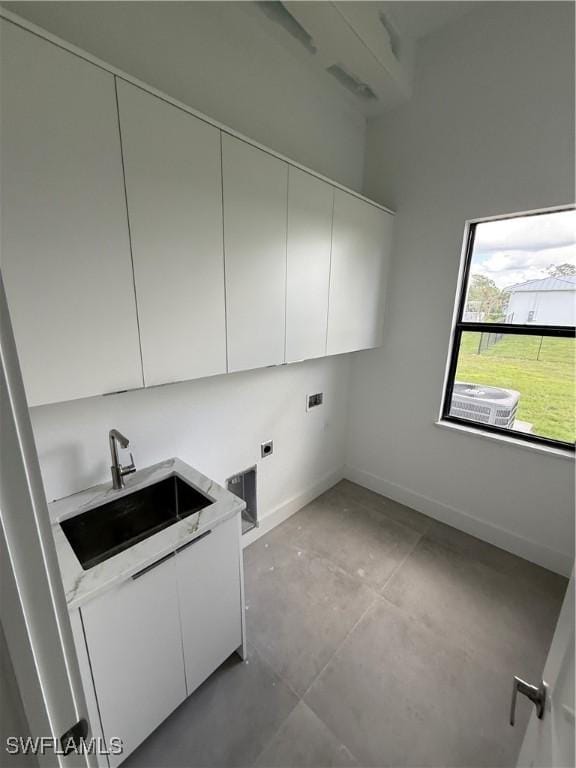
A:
(508, 267)
(526, 233)
(514, 250)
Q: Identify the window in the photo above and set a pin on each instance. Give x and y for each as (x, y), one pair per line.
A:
(512, 365)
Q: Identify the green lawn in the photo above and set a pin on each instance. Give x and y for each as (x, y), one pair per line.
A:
(546, 385)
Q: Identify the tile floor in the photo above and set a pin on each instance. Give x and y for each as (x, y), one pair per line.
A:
(377, 637)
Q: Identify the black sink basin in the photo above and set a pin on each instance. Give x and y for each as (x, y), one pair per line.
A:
(104, 531)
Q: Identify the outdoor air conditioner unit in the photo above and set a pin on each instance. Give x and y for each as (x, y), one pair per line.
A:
(487, 405)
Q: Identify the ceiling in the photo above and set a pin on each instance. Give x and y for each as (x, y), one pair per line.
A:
(418, 19)
(367, 47)
(360, 53)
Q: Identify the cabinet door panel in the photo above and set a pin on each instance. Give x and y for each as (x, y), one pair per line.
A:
(135, 648)
(210, 601)
(310, 203)
(255, 205)
(361, 241)
(65, 246)
(174, 190)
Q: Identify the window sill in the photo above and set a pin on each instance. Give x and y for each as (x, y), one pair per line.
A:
(547, 450)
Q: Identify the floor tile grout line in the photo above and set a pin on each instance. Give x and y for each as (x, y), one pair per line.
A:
(268, 663)
(339, 646)
(469, 556)
(429, 525)
(401, 564)
(425, 533)
(317, 677)
(279, 730)
(272, 666)
(283, 725)
(332, 563)
(444, 641)
(379, 598)
(376, 596)
(388, 519)
(354, 576)
(369, 508)
(323, 557)
(371, 590)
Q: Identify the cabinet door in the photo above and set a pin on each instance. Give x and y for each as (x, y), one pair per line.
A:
(174, 190)
(210, 600)
(65, 246)
(135, 649)
(255, 204)
(310, 203)
(361, 241)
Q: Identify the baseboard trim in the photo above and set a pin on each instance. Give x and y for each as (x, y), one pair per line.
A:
(290, 507)
(559, 562)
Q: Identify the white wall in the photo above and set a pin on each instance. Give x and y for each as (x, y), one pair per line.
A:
(489, 131)
(218, 58)
(215, 424)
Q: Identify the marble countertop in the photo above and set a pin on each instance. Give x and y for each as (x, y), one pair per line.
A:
(80, 585)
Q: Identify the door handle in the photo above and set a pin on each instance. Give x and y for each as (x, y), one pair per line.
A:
(153, 565)
(537, 696)
(72, 740)
(189, 543)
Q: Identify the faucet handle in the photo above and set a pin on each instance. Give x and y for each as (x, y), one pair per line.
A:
(131, 467)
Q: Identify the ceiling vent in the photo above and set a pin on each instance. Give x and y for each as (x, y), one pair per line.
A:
(355, 45)
(351, 82)
(278, 13)
(393, 38)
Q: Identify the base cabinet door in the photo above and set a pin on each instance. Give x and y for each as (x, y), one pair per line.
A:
(361, 242)
(210, 603)
(134, 643)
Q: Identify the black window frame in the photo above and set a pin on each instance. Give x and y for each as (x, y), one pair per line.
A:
(461, 326)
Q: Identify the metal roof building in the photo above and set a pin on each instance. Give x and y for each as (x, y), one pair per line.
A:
(547, 301)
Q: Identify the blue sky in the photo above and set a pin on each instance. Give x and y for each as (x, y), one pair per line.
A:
(512, 251)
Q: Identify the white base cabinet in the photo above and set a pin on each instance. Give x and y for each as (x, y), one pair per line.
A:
(152, 640)
(135, 650)
(210, 607)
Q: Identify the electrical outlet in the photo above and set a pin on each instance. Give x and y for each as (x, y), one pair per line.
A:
(267, 449)
(314, 400)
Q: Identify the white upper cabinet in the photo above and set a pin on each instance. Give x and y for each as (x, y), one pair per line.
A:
(65, 246)
(310, 203)
(361, 241)
(174, 191)
(255, 205)
(141, 245)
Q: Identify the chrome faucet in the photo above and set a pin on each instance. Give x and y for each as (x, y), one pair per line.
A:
(118, 471)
